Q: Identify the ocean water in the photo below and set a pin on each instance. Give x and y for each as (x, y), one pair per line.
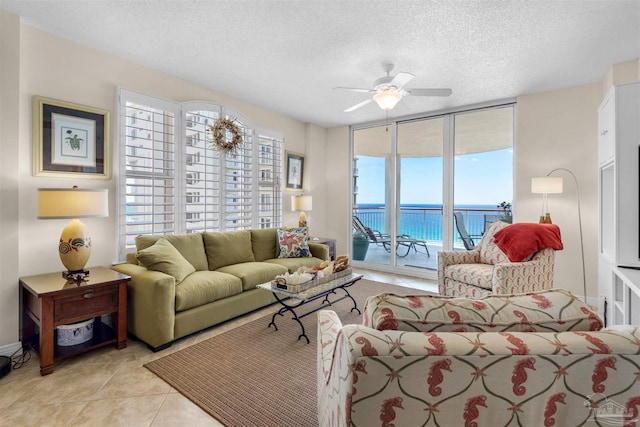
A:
(424, 222)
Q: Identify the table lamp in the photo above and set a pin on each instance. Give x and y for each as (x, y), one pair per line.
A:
(545, 185)
(303, 204)
(72, 203)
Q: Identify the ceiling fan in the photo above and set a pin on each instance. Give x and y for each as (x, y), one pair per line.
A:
(388, 90)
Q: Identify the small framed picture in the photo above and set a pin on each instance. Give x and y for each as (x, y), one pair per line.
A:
(70, 139)
(295, 171)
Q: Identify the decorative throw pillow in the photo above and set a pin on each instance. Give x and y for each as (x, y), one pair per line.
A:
(164, 257)
(294, 243)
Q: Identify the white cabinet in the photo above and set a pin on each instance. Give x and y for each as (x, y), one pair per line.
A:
(619, 202)
(606, 129)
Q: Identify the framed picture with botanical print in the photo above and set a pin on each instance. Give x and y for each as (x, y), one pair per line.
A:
(295, 171)
(70, 139)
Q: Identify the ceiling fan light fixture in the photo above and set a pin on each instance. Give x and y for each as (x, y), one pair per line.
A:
(387, 99)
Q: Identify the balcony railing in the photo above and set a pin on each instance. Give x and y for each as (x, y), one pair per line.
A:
(426, 223)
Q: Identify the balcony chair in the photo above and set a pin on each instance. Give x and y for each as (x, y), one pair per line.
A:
(381, 239)
(467, 239)
(487, 270)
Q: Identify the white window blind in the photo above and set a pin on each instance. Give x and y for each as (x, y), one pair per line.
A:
(148, 204)
(202, 169)
(173, 180)
(269, 170)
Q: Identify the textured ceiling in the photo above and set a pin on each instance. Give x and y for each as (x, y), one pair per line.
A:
(288, 55)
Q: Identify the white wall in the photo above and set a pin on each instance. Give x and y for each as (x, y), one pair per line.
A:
(558, 129)
(9, 196)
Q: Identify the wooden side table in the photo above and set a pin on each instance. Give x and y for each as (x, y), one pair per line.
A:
(329, 242)
(49, 300)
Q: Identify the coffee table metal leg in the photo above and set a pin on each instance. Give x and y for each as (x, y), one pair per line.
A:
(283, 310)
(326, 300)
(355, 304)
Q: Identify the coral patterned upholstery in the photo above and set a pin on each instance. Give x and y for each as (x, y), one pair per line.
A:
(486, 270)
(554, 310)
(370, 377)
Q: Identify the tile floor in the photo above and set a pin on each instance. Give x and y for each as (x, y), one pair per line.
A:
(108, 387)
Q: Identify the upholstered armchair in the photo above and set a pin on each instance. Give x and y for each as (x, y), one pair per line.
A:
(487, 270)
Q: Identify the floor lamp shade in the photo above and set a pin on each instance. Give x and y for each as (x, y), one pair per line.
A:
(302, 204)
(74, 247)
(545, 185)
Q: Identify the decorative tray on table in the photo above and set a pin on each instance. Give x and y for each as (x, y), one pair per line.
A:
(294, 289)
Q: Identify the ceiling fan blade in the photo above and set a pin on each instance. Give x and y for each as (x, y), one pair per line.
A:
(428, 92)
(401, 79)
(356, 89)
(358, 105)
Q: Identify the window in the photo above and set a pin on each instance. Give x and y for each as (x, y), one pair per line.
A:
(172, 180)
(410, 180)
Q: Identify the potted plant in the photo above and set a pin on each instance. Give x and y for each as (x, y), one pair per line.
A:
(506, 212)
(360, 245)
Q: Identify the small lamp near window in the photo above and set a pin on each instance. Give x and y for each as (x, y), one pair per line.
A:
(545, 185)
(302, 204)
(74, 247)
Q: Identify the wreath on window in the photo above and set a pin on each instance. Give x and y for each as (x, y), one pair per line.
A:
(220, 129)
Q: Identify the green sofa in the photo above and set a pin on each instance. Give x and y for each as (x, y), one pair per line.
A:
(212, 278)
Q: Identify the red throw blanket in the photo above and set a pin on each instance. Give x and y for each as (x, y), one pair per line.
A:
(520, 241)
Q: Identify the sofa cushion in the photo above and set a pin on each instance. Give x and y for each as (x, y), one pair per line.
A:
(189, 245)
(475, 274)
(203, 287)
(490, 253)
(164, 257)
(293, 243)
(544, 311)
(227, 248)
(264, 243)
(253, 273)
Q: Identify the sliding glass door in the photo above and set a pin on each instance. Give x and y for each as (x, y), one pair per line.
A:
(420, 166)
(483, 172)
(373, 204)
(411, 178)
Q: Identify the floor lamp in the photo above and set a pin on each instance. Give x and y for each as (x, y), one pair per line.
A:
(539, 185)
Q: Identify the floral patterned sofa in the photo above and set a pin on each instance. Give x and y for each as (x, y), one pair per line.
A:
(487, 270)
(543, 362)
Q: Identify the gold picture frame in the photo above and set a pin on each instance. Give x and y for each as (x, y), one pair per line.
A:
(294, 175)
(70, 139)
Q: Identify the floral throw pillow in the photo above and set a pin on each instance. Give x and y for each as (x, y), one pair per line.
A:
(293, 243)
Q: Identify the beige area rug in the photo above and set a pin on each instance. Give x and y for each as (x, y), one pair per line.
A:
(256, 376)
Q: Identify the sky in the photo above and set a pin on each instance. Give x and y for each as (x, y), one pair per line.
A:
(479, 179)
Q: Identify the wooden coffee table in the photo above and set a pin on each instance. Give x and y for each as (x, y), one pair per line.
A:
(291, 301)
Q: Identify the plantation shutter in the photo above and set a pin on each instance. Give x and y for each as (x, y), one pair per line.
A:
(147, 196)
(269, 169)
(202, 173)
(173, 179)
(238, 181)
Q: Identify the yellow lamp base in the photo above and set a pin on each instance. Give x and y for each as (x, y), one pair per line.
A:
(74, 247)
(302, 220)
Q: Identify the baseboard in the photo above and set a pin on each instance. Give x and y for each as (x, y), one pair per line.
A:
(10, 349)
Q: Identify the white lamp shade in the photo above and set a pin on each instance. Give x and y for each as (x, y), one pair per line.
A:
(387, 99)
(74, 246)
(72, 203)
(301, 203)
(546, 184)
